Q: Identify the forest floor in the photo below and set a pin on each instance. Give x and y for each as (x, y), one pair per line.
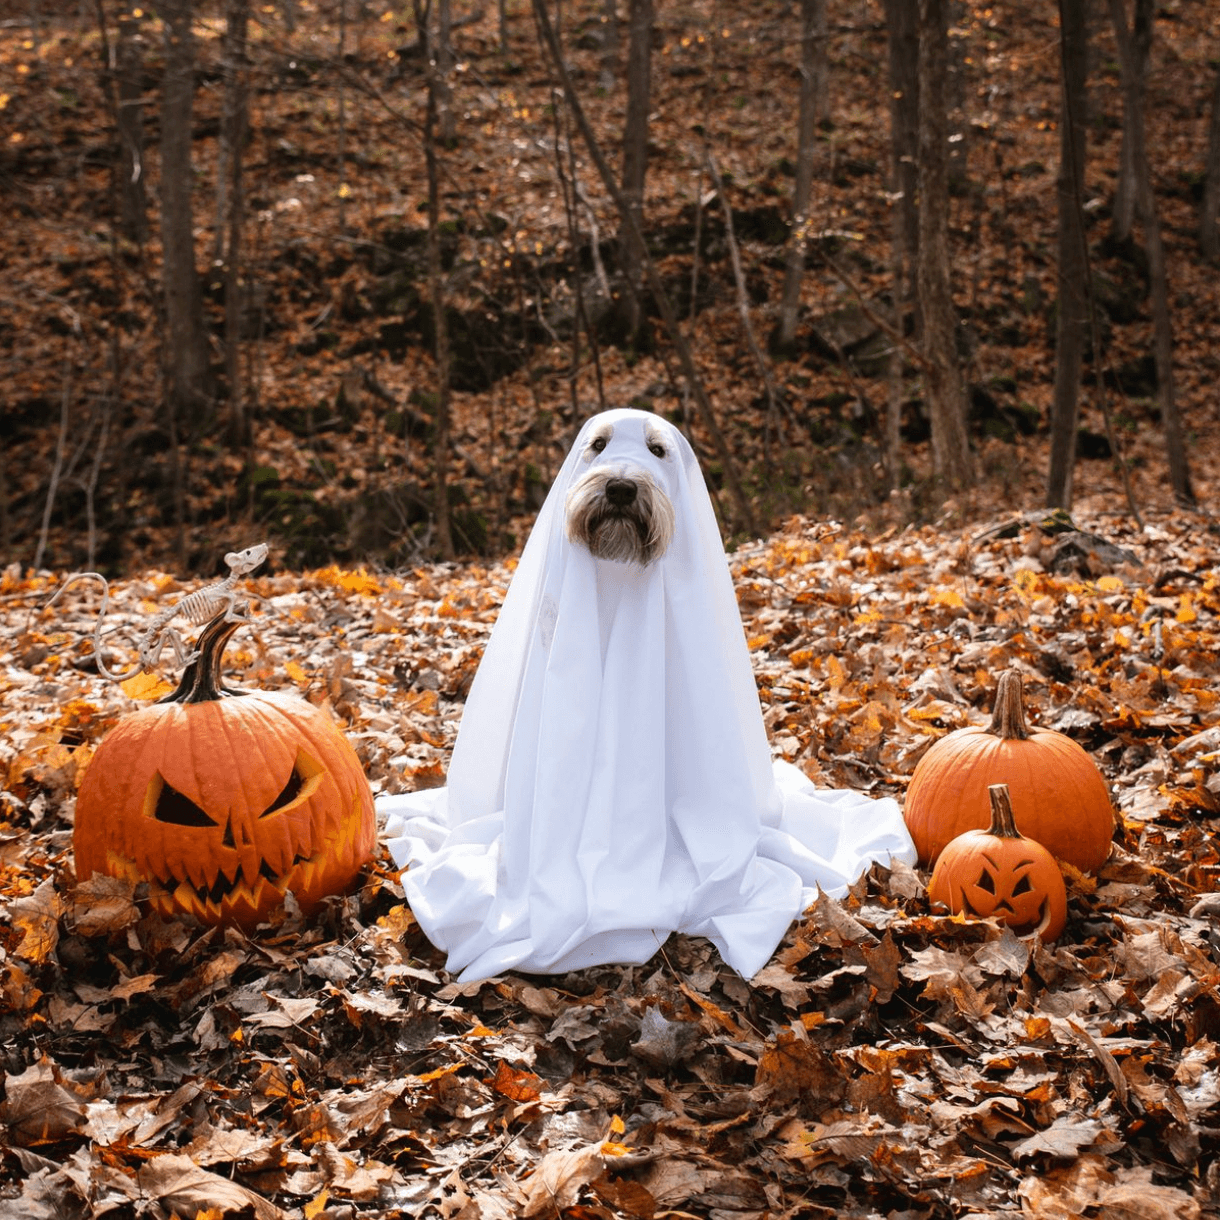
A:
(336, 359)
(891, 1060)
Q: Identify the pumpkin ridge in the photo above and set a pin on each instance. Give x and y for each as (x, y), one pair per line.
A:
(975, 768)
(278, 715)
(258, 742)
(1025, 780)
(284, 839)
(271, 753)
(147, 760)
(289, 839)
(185, 861)
(321, 734)
(224, 730)
(1083, 782)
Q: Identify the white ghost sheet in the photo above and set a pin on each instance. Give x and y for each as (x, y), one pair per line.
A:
(611, 781)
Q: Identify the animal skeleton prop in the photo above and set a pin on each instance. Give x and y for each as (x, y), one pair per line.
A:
(611, 781)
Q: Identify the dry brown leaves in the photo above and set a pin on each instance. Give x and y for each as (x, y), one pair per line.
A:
(890, 1060)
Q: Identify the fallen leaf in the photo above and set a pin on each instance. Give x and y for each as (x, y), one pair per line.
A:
(36, 917)
(557, 1181)
(1064, 1138)
(179, 1185)
(664, 1042)
(102, 905)
(39, 1108)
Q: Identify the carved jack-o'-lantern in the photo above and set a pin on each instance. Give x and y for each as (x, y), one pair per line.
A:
(1001, 874)
(225, 800)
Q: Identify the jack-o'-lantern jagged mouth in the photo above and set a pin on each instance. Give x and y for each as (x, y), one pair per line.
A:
(237, 895)
(998, 906)
(1027, 928)
(236, 889)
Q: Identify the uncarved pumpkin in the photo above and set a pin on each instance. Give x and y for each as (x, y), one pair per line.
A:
(1000, 873)
(1059, 797)
(225, 800)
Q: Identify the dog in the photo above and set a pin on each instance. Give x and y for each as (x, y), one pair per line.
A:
(611, 781)
(617, 509)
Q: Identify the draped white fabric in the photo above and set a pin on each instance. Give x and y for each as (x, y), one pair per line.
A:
(611, 780)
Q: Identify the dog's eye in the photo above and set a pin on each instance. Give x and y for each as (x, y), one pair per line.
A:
(597, 444)
(656, 449)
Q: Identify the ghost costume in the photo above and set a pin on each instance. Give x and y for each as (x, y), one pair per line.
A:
(611, 781)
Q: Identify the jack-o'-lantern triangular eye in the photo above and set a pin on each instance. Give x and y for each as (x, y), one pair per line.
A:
(165, 803)
(1023, 885)
(300, 786)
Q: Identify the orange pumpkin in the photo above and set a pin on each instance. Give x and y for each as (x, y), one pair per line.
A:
(999, 873)
(225, 800)
(1059, 797)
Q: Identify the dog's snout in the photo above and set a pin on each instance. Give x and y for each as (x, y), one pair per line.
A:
(620, 492)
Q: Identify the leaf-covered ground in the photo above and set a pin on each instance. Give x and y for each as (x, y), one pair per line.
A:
(890, 1061)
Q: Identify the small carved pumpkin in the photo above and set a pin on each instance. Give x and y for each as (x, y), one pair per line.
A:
(1058, 794)
(225, 800)
(999, 873)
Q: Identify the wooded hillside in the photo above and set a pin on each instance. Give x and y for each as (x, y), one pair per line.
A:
(314, 410)
(891, 1060)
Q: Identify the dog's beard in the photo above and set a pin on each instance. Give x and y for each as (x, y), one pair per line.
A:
(637, 533)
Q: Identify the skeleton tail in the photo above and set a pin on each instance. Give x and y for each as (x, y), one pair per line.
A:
(98, 659)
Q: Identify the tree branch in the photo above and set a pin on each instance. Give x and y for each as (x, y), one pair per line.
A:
(628, 220)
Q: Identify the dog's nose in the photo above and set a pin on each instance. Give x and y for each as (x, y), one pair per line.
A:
(620, 492)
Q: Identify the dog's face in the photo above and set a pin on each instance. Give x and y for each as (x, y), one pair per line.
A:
(618, 507)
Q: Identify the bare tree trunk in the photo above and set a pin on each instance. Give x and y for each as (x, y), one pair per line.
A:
(894, 382)
(342, 99)
(957, 72)
(813, 73)
(503, 27)
(1075, 297)
(635, 152)
(1131, 56)
(902, 27)
(743, 310)
(610, 44)
(946, 391)
(6, 528)
(234, 118)
(670, 317)
(1209, 210)
(89, 485)
(1126, 189)
(902, 23)
(186, 353)
(569, 183)
(56, 469)
(436, 290)
(133, 209)
(446, 122)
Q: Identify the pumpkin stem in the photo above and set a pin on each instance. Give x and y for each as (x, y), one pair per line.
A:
(1003, 824)
(1008, 715)
(201, 681)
